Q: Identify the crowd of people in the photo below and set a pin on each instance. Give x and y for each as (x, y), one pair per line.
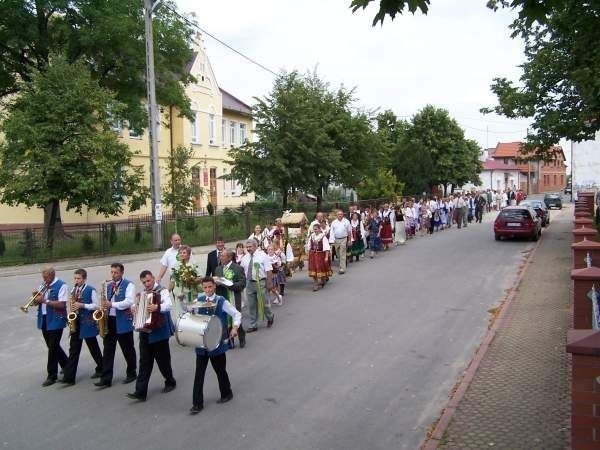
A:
(255, 271)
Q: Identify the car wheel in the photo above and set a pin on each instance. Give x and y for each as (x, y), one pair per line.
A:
(535, 237)
(497, 237)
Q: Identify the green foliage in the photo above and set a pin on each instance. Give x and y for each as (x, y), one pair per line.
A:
(87, 243)
(2, 245)
(191, 224)
(58, 146)
(137, 232)
(28, 244)
(229, 218)
(210, 208)
(180, 190)
(108, 36)
(559, 88)
(112, 237)
(383, 185)
(307, 138)
(430, 150)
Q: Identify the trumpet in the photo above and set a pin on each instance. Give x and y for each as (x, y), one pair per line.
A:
(32, 300)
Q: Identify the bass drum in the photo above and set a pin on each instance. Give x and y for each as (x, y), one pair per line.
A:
(198, 330)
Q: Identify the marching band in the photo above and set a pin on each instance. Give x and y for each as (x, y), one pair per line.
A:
(208, 324)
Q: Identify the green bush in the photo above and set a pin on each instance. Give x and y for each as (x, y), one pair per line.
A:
(112, 237)
(137, 233)
(190, 224)
(230, 218)
(87, 243)
(28, 244)
(2, 245)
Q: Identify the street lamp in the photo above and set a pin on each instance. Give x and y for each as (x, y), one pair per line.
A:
(149, 7)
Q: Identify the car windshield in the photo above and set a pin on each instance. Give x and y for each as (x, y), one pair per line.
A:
(533, 204)
(552, 196)
(514, 214)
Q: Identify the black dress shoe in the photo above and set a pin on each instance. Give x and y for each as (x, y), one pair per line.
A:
(242, 341)
(196, 409)
(136, 396)
(96, 375)
(251, 330)
(49, 382)
(225, 399)
(129, 379)
(67, 382)
(270, 322)
(168, 388)
(103, 384)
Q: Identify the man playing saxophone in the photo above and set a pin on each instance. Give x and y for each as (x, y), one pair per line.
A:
(154, 342)
(120, 295)
(84, 300)
(51, 319)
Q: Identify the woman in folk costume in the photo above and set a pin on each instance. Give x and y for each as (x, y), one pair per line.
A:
(358, 232)
(319, 257)
(426, 217)
(286, 254)
(277, 259)
(260, 237)
(386, 227)
(400, 229)
(409, 219)
(374, 227)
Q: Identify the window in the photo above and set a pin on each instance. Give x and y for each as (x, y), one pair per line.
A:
(505, 160)
(232, 137)
(242, 133)
(116, 126)
(555, 179)
(195, 129)
(223, 132)
(211, 130)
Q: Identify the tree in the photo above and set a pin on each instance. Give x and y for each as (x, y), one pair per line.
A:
(108, 37)
(307, 138)
(559, 88)
(180, 189)
(383, 185)
(58, 147)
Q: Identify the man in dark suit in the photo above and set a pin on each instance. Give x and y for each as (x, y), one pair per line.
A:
(233, 272)
(212, 260)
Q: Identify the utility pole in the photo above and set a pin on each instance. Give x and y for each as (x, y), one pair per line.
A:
(149, 7)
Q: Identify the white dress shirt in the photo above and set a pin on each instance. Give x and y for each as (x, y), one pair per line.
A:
(229, 309)
(169, 260)
(263, 260)
(127, 303)
(340, 229)
(63, 294)
(165, 299)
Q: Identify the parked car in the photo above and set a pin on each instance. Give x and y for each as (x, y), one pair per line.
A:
(541, 210)
(517, 221)
(553, 201)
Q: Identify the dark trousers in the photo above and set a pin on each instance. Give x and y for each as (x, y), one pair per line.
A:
(56, 355)
(125, 341)
(75, 344)
(479, 214)
(219, 363)
(160, 352)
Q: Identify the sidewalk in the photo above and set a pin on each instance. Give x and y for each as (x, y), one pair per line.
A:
(516, 396)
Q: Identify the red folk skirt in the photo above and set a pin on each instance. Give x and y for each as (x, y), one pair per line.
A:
(318, 265)
(386, 233)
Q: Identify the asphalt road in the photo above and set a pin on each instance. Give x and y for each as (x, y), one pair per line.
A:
(367, 363)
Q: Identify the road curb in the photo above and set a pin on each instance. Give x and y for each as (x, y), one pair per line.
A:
(431, 442)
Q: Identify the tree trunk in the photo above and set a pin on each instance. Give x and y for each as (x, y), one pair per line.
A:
(53, 227)
(284, 199)
(319, 201)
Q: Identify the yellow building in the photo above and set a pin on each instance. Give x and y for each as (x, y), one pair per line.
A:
(221, 121)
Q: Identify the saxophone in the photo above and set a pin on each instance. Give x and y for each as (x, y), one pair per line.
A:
(100, 316)
(71, 313)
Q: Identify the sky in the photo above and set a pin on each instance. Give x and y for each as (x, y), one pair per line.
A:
(447, 58)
